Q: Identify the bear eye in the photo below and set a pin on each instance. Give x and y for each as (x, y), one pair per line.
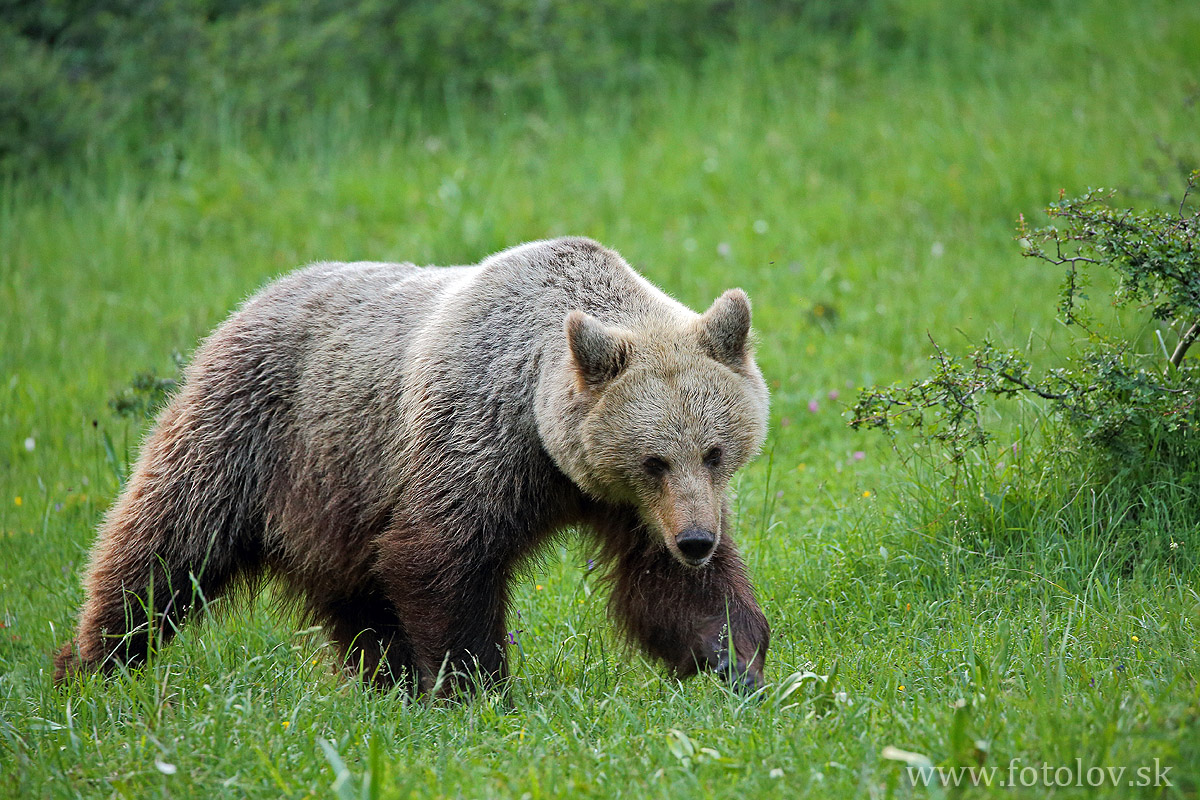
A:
(655, 467)
(712, 459)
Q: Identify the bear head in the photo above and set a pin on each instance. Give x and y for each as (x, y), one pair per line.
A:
(661, 414)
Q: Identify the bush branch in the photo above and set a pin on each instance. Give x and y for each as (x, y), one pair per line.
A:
(1185, 342)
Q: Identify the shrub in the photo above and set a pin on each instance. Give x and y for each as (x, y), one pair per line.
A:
(42, 116)
(1120, 428)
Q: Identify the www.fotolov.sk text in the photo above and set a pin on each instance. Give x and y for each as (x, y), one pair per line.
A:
(1045, 774)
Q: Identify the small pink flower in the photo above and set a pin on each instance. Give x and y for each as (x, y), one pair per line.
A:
(814, 406)
(858, 455)
(834, 394)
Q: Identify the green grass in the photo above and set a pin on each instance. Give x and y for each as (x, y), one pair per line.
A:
(865, 199)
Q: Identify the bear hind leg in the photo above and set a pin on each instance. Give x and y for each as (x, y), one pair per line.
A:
(138, 597)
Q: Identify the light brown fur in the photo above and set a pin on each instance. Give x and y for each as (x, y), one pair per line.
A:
(392, 441)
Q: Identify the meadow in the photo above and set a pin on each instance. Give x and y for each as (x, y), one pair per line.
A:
(866, 199)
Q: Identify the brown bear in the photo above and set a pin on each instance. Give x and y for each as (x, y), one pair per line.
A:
(393, 441)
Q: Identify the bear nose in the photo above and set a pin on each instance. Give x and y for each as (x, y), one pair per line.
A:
(696, 544)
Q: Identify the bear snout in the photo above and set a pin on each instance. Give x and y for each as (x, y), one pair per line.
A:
(696, 545)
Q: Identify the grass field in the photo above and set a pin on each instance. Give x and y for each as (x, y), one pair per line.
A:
(865, 200)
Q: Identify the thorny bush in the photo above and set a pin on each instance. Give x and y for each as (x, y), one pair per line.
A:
(1128, 395)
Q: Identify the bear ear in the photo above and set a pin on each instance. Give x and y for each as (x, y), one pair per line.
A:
(725, 329)
(600, 353)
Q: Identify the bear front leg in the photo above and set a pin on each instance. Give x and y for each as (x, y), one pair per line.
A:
(453, 610)
(457, 636)
(693, 618)
(367, 633)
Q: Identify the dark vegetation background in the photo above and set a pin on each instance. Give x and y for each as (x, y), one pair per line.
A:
(159, 79)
